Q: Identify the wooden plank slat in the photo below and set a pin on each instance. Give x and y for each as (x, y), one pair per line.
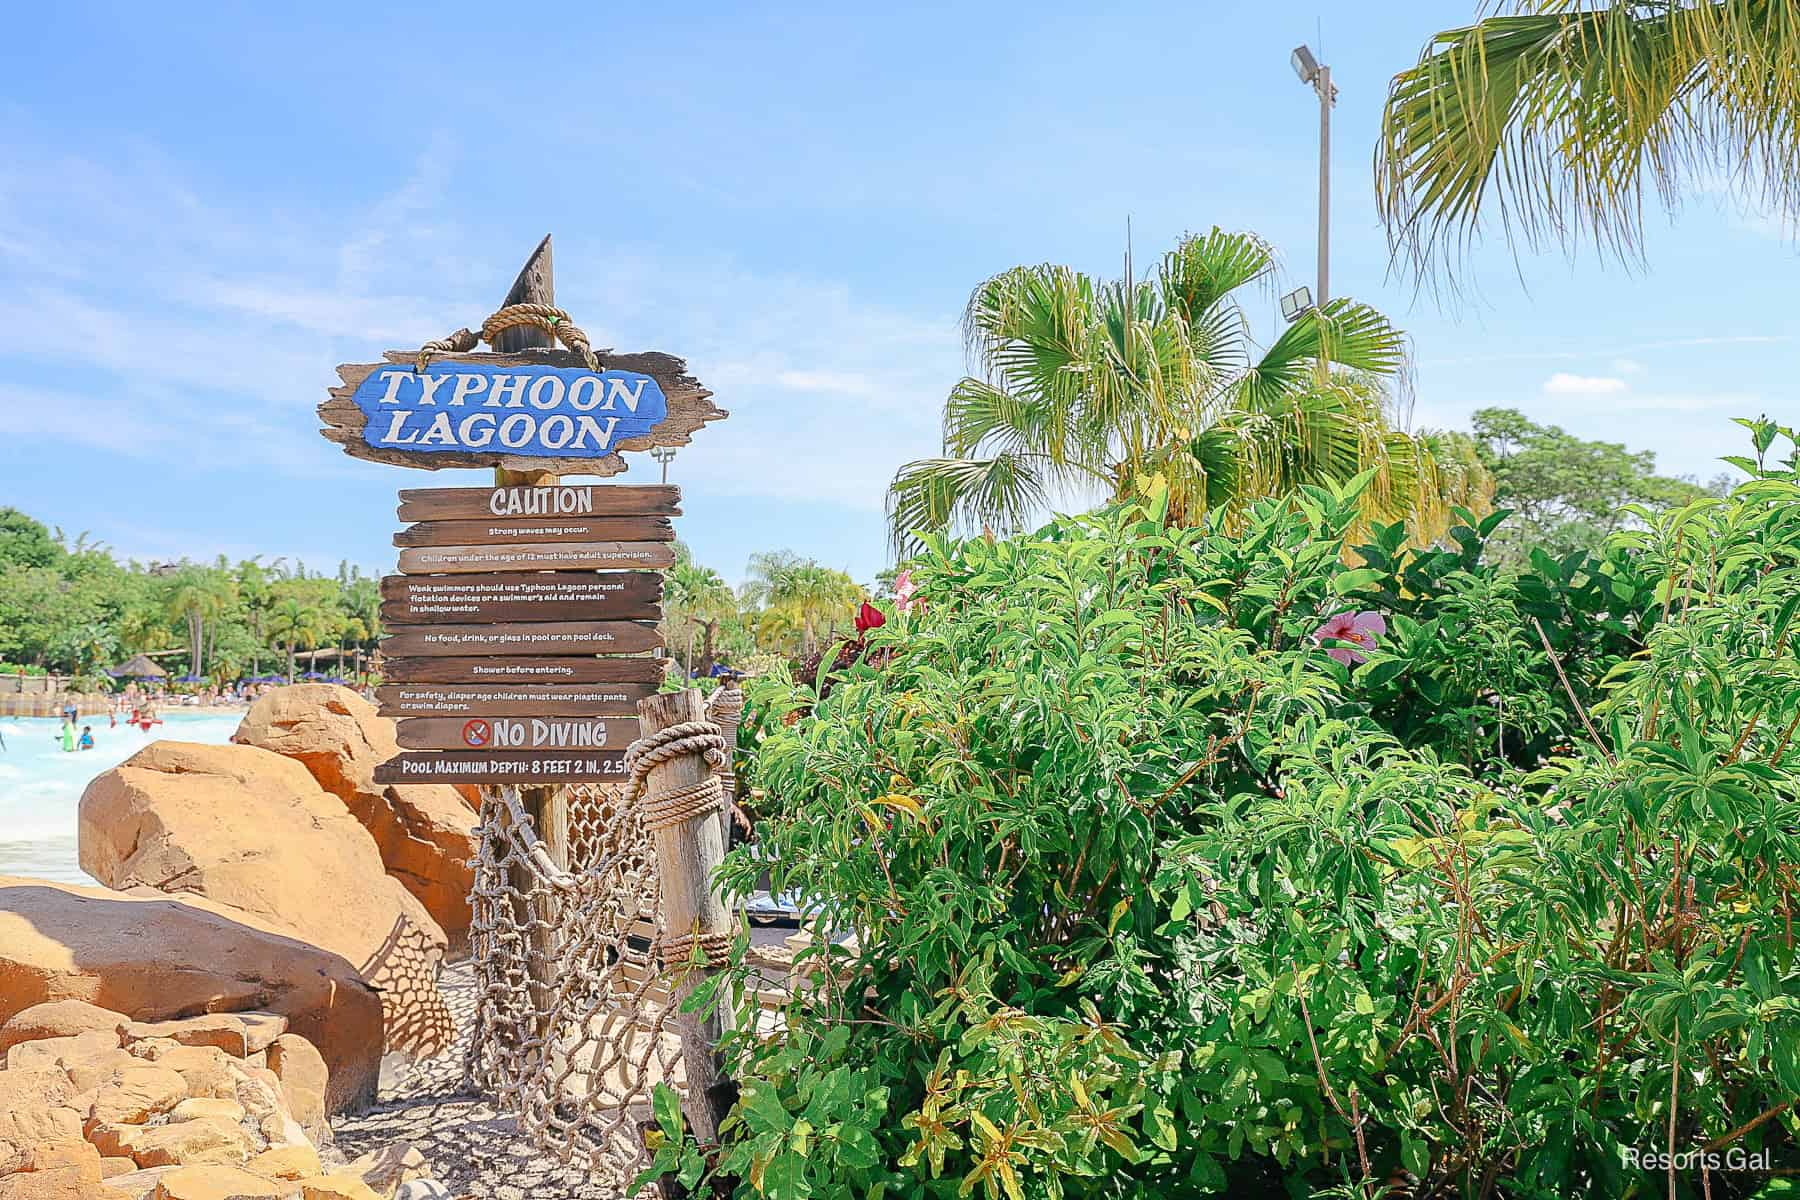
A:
(541, 732)
(512, 700)
(536, 556)
(503, 766)
(524, 638)
(545, 529)
(521, 596)
(486, 670)
(554, 500)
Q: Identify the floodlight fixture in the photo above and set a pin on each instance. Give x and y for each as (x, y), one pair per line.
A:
(1296, 302)
(664, 455)
(1305, 65)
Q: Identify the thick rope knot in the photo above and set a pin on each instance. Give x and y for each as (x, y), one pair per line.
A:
(683, 737)
(678, 950)
(548, 317)
(663, 810)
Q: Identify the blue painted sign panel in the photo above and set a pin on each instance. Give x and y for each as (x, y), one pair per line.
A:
(525, 411)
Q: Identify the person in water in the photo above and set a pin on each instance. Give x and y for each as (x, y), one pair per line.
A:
(68, 736)
(87, 738)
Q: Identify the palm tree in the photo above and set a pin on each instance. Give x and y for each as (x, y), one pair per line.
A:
(1552, 116)
(294, 624)
(199, 596)
(143, 628)
(1098, 387)
(256, 590)
(803, 591)
(697, 599)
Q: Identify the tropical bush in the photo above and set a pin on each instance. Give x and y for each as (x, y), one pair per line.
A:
(1182, 864)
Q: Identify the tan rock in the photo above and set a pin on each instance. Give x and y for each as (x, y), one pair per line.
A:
(57, 1019)
(114, 1141)
(207, 1070)
(216, 1183)
(425, 831)
(251, 829)
(221, 1030)
(154, 958)
(48, 1156)
(384, 1170)
(89, 1074)
(260, 1030)
(112, 1167)
(140, 1184)
(195, 1107)
(136, 1094)
(59, 1183)
(304, 1079)
(205, 1140)
(34, 1110)
(60, 1051)
(299, 1161)
(339, 1186)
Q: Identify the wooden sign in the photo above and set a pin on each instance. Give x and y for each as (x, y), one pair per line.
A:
(503, 766)
(550, 500)
(555, 529)
(512, 700)
(558, 637)
(536, 556)
(524, 596)
(539, 410)
(517, 733)
(524, 670)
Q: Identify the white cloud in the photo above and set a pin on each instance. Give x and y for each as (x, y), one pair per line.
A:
(1564, 384)
(178, 304)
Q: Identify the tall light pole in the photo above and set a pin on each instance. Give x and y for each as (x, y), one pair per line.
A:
(1311, 70)
(664, 455)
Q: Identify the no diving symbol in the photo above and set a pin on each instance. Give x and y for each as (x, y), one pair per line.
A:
(476, 733)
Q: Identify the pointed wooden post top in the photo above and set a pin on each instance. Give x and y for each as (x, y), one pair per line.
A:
(536, 284)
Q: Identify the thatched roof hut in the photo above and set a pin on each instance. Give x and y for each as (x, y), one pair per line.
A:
(138, 666)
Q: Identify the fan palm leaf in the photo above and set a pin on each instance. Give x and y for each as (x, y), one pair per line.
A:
(1554, 117)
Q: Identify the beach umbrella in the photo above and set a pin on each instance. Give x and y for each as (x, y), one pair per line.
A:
(313, 675)
(191, 679)
(138, 666)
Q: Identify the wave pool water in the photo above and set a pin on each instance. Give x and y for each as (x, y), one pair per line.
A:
(41, 784)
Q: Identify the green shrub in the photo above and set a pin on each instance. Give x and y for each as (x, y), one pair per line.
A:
(1152, 897)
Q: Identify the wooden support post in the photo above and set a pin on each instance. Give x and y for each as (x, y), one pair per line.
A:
(730, 717)
(535, 284)
(687, 854)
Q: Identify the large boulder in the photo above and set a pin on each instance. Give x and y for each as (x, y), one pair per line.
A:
(425, 832)
(157, 958)
(251, 829)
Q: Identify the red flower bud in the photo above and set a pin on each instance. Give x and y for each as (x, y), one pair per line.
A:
(870, 618)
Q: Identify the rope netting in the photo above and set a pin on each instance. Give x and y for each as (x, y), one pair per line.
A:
(574, 969)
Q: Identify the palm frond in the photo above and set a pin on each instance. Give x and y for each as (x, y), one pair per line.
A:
(1554, 118)
(999, 493)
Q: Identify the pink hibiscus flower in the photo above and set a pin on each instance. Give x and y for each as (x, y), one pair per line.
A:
(904, 592)
(1359, 628)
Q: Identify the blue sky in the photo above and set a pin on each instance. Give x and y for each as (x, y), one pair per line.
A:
(203, 212)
